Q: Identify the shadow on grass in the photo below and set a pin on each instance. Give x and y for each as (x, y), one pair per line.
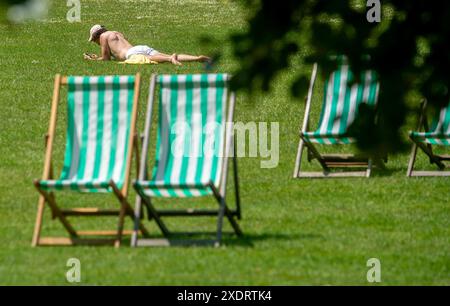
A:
(207, 239)
(386, 172)
(249, 240)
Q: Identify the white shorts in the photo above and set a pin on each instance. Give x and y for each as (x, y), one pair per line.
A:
(146, 50)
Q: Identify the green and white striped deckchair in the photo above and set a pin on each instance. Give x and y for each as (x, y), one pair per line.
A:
(193, 145)
(437, 135)
(340, 106)
(342, 99)
(100, 140)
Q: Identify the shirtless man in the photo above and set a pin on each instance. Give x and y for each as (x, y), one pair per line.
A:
(114, 44)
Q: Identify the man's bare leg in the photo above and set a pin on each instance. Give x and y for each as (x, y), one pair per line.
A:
(176, 59)
(164, 58)
(193, 58)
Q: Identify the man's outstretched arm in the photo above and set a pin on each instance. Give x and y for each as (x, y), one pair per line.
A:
(106, 52)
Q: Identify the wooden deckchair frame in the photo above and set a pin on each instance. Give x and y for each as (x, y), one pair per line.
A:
(218, 194)
(427, 149)
(327, 161)
(62, 214)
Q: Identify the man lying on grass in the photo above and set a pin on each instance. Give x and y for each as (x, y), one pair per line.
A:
(114, 45)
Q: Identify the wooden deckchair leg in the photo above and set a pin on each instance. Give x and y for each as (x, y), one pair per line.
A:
(369, 167)
(298, 160)
(40, 210)
(142, 170)
(122, 212)
(412, 160)
(305, 123)
(137, 220)
(56, 210)
(236, 184)
(48, 172)
(138, 206)
(38, 223)
(136, 150)
(120, 226)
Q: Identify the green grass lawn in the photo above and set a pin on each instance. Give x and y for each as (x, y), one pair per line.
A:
(296, 231)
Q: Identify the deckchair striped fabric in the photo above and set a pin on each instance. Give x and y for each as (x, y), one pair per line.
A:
(98, 131)
(191, 129)
(439, 133)
(342, 98)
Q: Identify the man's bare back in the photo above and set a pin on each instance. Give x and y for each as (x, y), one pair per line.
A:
(114, 44)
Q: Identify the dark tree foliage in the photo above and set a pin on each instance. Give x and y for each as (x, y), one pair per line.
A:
(5, 4)
(409, 49)
(10, 2)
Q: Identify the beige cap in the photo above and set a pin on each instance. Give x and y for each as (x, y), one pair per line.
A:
(94, 30)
